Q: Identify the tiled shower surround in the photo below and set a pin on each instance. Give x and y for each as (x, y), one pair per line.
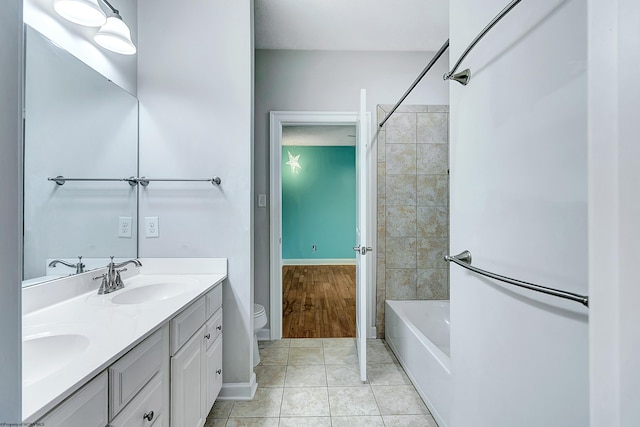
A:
(413, 205)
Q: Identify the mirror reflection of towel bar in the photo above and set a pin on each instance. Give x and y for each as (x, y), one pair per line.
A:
(133, 181)
(463, 259)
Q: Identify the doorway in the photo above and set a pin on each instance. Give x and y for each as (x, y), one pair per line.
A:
(280, 122)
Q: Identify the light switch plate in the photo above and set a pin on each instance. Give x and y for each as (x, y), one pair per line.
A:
(262, 200)
(151, 226)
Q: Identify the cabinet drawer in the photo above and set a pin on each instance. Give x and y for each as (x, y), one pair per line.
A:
(130, 374)
(214, 300)
(185, 324)
(214, 328)
(87, 407)
(145, 409)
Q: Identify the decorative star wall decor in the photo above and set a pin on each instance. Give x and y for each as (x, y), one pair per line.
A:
(293, 162)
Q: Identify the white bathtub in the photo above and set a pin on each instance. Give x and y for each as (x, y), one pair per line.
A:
(418, 334)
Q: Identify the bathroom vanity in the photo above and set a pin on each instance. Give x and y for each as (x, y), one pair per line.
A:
(149, 354)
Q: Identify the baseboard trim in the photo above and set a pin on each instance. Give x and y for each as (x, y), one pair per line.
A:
(264, 334)
(318, 261)
(373, 332)
(239, 391)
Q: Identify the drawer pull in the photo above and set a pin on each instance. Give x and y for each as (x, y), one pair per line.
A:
(208, 336)
(148, 416)
(219, 327)
(219, 371)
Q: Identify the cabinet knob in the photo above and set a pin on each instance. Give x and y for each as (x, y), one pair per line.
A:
(219, 327)
(219, 371)
(208, 336)
(148, 416)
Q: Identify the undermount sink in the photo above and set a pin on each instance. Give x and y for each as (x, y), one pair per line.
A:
(46, 353)
(149, 293)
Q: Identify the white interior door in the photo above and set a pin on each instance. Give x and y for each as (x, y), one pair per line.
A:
(361, 248)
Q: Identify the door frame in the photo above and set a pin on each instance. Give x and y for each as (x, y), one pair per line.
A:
(277, 120)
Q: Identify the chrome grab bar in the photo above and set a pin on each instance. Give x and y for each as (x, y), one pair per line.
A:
(463, 259)
(435, 58)
(463, 77)
(133, 181)
(60, 180)
(144, 181)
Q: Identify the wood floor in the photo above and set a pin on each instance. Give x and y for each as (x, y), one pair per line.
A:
(319, 301)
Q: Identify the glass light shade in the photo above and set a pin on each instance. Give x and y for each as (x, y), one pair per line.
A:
(82, 12)
(115, 36)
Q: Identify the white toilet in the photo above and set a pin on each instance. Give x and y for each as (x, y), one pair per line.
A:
(259, 322)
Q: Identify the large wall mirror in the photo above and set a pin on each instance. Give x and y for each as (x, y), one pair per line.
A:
(78, 125)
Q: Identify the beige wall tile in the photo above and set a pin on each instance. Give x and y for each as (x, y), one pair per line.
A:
(431, 251)
(400, 253)
(401, 128)
(432, 159)
(432, 128)
(400, 190)
(380, 146)
(433, 283)
(401, 158)
(432, 190)
(438, 108)
(401, 221)
(401, 284)
(432, 221)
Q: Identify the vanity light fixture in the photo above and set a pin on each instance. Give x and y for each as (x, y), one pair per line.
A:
(81, 12)
(114, 34)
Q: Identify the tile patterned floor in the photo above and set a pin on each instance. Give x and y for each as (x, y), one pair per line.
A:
(315, 382)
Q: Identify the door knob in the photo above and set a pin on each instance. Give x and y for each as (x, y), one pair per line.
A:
(363, 249)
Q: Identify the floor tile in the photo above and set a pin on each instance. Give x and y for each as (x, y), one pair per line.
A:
(343, 375)
(398, 400)
(266, 403)
(387, 374)
(367, 421)
(305, 422)
(338, 342)
(285, 342)
(305, 401)
(306, 356)
(306, 342)
(409, 421)
(380, 354)
(220, 409)
(274, 356)
(306, 376)
(352, 401)
(270, 375)
(252, 422)
(340, 356)
(215, 422)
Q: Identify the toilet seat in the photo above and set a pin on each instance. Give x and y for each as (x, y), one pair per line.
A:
(259, 317)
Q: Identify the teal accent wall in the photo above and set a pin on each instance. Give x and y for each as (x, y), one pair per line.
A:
(319, 203)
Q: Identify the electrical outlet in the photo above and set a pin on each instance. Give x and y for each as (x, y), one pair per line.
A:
(262, 200)
(124, 226)
(151, 226)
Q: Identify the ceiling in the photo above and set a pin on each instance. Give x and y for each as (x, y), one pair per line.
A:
(318, 135)
(364, 25)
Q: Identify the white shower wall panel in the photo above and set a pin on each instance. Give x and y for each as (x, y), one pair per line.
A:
(519, 204)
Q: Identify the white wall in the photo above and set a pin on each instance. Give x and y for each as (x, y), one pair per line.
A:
(291, 80)
(78, 40)
(614, 209)
(195, 93)
(10, 210)
(519, 204)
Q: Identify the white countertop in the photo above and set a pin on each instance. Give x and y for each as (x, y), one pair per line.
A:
(103, 330)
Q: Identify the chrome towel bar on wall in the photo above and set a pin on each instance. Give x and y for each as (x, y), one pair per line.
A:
(133, 181)
(463, 259)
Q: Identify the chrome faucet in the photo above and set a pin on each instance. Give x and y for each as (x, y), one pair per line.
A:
(79, 266)
(111, 280)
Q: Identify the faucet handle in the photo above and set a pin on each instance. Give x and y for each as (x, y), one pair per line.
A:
(104, 287)
(118, 282)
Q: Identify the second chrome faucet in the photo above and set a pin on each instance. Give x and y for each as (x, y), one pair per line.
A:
(111, 280)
